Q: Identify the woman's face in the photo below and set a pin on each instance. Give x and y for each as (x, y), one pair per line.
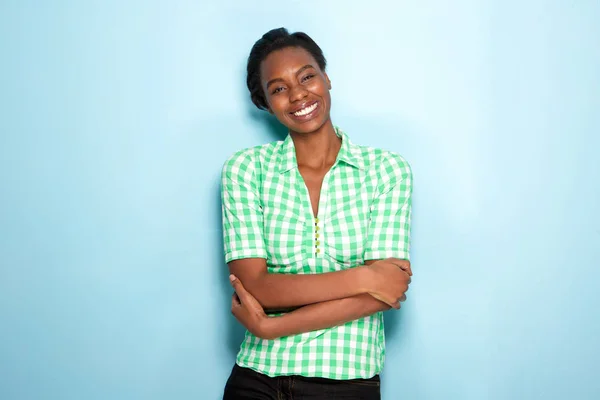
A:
(296, 89)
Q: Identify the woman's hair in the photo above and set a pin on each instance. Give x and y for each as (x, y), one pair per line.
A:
(276, 39)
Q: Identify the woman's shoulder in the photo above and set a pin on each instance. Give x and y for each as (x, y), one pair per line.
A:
(379, 158)
(251, 157)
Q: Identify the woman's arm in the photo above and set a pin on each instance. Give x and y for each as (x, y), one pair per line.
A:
(321, 316)
(381, 279)
(308, 318)
(330, 313)
(291, 290)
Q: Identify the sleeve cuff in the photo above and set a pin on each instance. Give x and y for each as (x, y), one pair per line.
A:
(245, 253)
(383, 254)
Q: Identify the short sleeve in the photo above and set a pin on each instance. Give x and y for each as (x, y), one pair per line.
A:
(390, 213)
(241, 208)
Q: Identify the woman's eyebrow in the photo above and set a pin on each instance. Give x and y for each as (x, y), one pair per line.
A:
(303, 68)
(272, 81)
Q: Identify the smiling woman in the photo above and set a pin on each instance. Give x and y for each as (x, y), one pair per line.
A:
(298, 93)
(314, 225)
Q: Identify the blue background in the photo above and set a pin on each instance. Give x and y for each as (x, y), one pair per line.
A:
(116, 117)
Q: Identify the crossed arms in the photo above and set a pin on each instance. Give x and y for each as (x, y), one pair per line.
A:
(325, 300)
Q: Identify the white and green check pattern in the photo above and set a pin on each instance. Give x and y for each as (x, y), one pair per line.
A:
(364, 214)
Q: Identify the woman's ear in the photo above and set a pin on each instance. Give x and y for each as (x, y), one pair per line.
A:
(328, 80)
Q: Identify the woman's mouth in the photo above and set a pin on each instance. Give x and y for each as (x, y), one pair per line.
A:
(307, 112)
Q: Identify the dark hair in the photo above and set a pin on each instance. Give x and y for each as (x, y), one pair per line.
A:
(276, 39)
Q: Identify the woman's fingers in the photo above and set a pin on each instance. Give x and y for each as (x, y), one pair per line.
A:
(239, 288)
(404, 265)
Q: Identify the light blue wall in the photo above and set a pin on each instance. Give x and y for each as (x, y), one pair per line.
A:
(115, 118)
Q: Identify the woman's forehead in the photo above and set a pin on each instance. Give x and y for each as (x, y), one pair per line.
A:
(286, 60)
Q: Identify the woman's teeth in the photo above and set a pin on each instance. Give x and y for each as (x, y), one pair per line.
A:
(305, 110)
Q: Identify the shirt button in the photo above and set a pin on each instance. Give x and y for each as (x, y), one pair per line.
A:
(316, 220)
(317, 243)
(317, 228)
(318, 250)
(317, 235)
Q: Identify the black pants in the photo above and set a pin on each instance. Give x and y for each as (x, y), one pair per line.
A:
(246, 384)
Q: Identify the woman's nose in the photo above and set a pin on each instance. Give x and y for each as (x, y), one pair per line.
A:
(298, 92)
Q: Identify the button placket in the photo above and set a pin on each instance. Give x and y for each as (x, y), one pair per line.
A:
(317, 236)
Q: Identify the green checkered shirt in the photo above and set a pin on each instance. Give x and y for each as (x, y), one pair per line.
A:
(364, 214)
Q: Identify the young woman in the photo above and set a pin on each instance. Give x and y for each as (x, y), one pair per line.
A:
(316, 231)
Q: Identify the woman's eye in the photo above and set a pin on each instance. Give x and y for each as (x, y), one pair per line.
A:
(307, 77)
(277, 90)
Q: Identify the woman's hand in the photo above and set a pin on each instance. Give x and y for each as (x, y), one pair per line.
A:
(389, 280)
(248, 311)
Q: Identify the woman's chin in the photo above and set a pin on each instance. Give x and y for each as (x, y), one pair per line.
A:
(306, 127)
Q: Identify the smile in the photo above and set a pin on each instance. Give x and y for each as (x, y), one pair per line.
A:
(305, 110)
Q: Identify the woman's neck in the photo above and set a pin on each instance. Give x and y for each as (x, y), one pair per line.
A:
(319, 149)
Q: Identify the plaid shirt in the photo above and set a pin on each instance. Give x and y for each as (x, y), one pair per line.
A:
(364, 214)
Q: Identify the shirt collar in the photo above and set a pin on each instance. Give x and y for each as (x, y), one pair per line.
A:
(288, 161)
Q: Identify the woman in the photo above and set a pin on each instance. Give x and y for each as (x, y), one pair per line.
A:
(316, 230)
